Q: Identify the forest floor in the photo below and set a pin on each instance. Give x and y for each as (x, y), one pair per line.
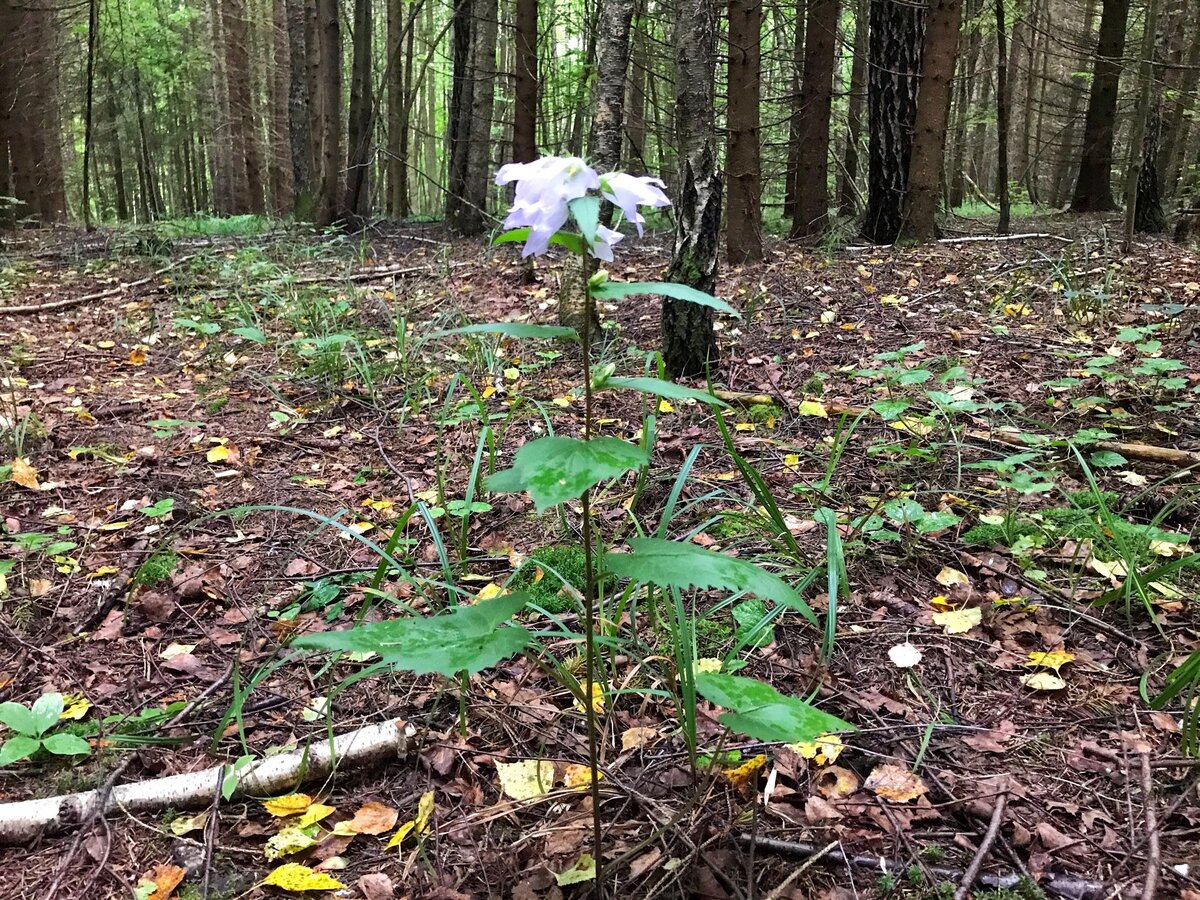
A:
(987, 517)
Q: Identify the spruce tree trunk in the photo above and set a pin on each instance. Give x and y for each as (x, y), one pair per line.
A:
(356, 205)
(480, 169)
(1143, 204)
(395, 103)
(689, 343)
(1173, 141)
(327, 118)
(247, 152)
(1002, 174)
(462, 86)
(792, 169)
(848, 176)
(1068, 152)
(816, 95)
(897, 31)
(1093, 189)
(112, 128)
(933, 102)
(282, 183)
(635, 113)
(299, 113)
(526, 108)
(743, 162)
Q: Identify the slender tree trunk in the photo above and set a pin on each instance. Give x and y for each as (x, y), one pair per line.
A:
(282, 181)
(1028, 176)
(90, 93)
(113, 129)
(743, 161)
(896, 38)
(300, 121)
(395, 104)
(933, 103)
(1093, 189)
(794, 150)
(1002, 122)
(1177, 125)
(356, 205)
(462, 85)
(816, 95)
(473, 219)
(247, 159)
(635, 115)
(848, 176)
(326, 99)
(1069, 150)
(1143, 205)
(612, 66)
(689, 342)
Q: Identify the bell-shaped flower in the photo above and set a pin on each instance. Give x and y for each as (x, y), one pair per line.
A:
(628, 192)
(606, 239)
(544, 188)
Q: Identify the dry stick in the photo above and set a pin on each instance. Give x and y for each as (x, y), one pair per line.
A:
(803, 867)
(88, 813)
(985, 847)
(1153, 851)
(1061, 885)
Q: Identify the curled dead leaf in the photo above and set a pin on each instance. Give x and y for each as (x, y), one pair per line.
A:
(896, 783)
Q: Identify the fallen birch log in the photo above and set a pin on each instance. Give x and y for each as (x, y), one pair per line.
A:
(28, 819)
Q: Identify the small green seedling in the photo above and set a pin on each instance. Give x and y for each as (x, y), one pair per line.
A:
(31, 724)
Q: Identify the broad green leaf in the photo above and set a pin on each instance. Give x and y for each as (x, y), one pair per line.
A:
(680, 565)
(513, 330)
(662, 388)
(615, 290)
(1106, 459)
(748, 614)
(586, 213)
(19, 718)
(761, 712)
(64, 744)
(562, 238)
(904, 510)
(46, 709)
(159, 509)
(251, 333)
(465, 639)
(937, 521)
(554, 469)
(17, 748)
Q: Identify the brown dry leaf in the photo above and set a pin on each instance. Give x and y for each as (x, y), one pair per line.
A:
(818, 809)
(376, 886)
(644, 863)
(39, 587)
(372, 817)
(641, 736)
(165, 878)
(835, 782)
(896, 783)
(994, 740)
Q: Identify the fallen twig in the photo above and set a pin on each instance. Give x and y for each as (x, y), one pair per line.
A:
(985, 847)
(1153, 851)
(1066, 886)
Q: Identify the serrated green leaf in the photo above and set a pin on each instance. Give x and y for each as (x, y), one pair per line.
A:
(675, 564)
(19, 718)
(517, 330)
(465, 639)
(46, 709)
(565, 239)
(1107, 459)
(661, 388)
(761, 712)
(64, 744)
(586, 213)
(17, 748)
(890, 409)
(615, 290)
(554, 469)
(748, 614)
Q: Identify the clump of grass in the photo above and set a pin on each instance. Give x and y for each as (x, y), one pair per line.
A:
(763, 413)
(156, 568)
(546, 571)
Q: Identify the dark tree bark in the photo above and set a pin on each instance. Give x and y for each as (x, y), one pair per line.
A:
(462, 86)
(112, 127)
(282, 182)
(1002, 122)
(480, 168)
(689, 343)
(612, 66)
(1176, 126)
(525, 111)
(89, 102)
(792, 170)
(355, 206)
(933, 103)
(635, 112)
(1143, 203)
(816, 94)
(247, 151)
(897, 30)
(1068, 152)
(743, 160)
(299, 117)
(325, 92)
(1093, 189)
(847, 177)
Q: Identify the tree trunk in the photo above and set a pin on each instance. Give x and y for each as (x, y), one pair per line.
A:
(743, 162)
(247, 152)
(356, 205)
(282, 183)
(325, 60)
(816, 95)
(113, 129)
(1078, 88)
(612, 66)
(933, 103)
(1093, 189)
(847, 178)
(689, 343)
(300, 123)
(395, 103)
(1141, 178)
(635, 114)
(897, 30)
(473, 218)
(1002, 123)
(794, 150)
(462, 85)
(1175, 130)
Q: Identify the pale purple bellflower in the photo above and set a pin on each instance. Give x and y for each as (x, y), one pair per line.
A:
(547, 185)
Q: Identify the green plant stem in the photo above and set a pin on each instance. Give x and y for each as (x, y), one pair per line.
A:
(589, 591)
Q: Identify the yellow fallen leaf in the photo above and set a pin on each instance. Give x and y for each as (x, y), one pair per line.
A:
(949, 577)
(912, 425)
(665, 407)
(288, 805)
(487, 392)
(1054, 659)
(1114, 571)
(1169, 548)
(959, 621)
(113, 526)
(295, 877)
(597, 699)
(706, 665)
(894, 782)
(583, 870)
(526, 779)
(1043, 681)
(24, 474)
(165, 878)
(314, 814)
(791, 462)
(489, 591)
(741, 777)
(425, 809)
(102, 571)
(219, 453)
(137, 356)
(401, 833)
(577, 776)
(744, 426)
(512, 374)
(292, 839)
(75, 707)
(812, 408)
(562, 401)
(824, 750)
(187, 824)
